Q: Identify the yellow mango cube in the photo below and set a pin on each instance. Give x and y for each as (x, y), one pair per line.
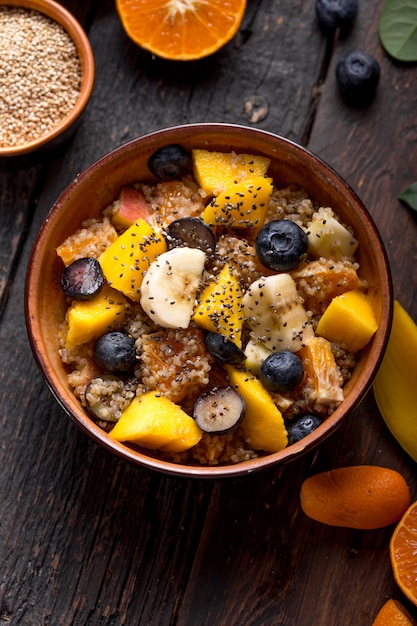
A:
(263, 424)
(219, 309)
(127, 259)
(218, 171)
(89, 319)
(156, 423)
(349, 319)
(243, 205)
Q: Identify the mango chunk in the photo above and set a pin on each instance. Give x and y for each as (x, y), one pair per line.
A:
(89, 319)
(394, 386)
(263, 425)
(156, 423)
(219, 309)
(218, 171)
(349, 319)
(127, 259)
(243, 205)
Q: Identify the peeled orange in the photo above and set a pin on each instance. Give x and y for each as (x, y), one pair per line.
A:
(361, 496)
(181, 29)
(403, 553)
(392, 613)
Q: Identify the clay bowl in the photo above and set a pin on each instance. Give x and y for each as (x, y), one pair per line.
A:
(54, 137)
(96, 187)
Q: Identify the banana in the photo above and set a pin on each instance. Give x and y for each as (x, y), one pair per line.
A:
(329, 238)
(170, 285)
(275, 314)
(255, 353)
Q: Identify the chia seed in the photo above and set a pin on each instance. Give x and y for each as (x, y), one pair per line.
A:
(40, 75)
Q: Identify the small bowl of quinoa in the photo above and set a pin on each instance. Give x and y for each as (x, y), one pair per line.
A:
(46, 75)
(220, 305)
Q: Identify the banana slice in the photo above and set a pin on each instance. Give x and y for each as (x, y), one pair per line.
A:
(275, 314)
(329, 238)
(170, 285)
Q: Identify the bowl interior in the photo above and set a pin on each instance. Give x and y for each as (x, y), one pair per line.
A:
(62, 16)
(93, 190)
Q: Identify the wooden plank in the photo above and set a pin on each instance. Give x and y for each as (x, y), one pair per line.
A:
(84, 538)
(21, 180)
(375, 148)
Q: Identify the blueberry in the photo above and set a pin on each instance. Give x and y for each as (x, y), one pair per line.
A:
(334, 14)
(191, 232)
(281, 245)
(301, 427)
(170, 162)
(115, 352)
(219, 411)
(357, 76)
(83, 279)
(223, 349)
(281, 371)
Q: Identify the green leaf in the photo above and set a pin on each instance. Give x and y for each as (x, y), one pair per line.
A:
(409, 196)
(398, 29)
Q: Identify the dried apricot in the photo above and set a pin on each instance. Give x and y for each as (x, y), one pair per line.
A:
(361, 496)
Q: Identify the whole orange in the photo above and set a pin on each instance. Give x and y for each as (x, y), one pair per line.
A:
(360, 496)
(403, 553)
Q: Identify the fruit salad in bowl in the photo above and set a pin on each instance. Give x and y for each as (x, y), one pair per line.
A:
(217, 311)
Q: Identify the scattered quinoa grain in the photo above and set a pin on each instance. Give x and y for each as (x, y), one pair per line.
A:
(40, 75)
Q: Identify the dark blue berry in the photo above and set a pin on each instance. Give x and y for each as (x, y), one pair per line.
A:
(357, 76)
(281, 245)
(115, 352)
(301, 427)
(191, 232)
(223, 349)
(170, 162)
(83, 279)
(281, 371)
(334, 14)
(219, 411)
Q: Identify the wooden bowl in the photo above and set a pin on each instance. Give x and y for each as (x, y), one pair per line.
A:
(64, 129)
(95, 188)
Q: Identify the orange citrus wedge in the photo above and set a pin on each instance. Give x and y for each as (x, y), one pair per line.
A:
(181, 29)
(403, 553)
(392, 613)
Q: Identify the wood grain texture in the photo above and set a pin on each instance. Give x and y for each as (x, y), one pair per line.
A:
(88, 540)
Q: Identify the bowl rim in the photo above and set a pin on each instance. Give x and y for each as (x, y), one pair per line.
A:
(80, 417)
(62, 16)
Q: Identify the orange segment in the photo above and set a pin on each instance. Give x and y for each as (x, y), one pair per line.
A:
(403, 553)
(166, 359)
(181, 29)
(320, 367)
(392, 613)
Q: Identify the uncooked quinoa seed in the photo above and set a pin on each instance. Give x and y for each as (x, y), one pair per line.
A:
(40, 75)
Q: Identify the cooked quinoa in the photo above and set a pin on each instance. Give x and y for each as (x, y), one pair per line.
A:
(176, 362)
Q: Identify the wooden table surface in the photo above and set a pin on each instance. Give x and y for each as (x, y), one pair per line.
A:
(88, 540)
